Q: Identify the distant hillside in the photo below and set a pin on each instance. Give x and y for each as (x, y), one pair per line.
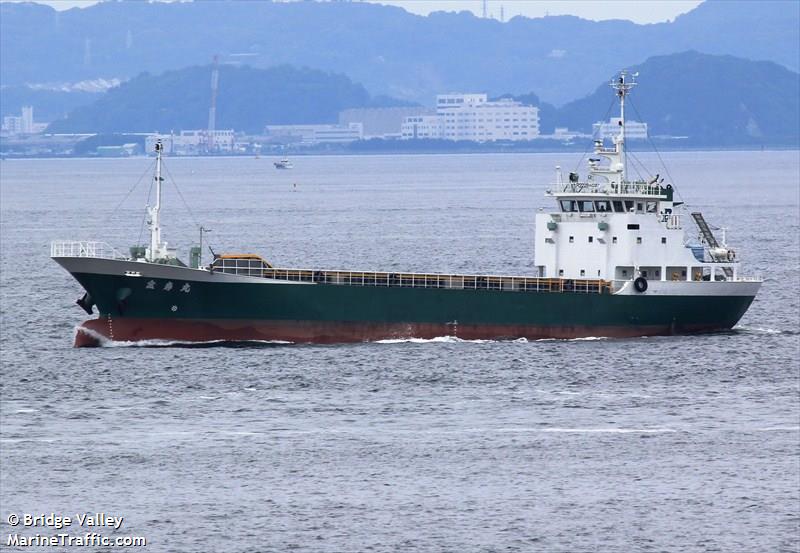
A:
(248, 99)
(387, 49)
(714, 100)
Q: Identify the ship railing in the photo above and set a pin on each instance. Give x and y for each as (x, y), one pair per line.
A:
(84, 248)
(436, 280)
(750, 278)
(641, 188)
(254, 268)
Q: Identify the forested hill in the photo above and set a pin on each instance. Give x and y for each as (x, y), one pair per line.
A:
(248, 99)
(713, 100)
(386, 48)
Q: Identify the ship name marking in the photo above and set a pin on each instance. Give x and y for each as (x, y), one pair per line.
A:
(168, 286)
(151, 285)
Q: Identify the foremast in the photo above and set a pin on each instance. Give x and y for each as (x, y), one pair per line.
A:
(158, 249)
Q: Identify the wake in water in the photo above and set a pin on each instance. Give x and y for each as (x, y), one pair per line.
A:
(762, 330)
(456, 340)
(105, 342)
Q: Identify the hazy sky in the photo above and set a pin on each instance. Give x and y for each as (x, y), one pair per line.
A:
(651, 11)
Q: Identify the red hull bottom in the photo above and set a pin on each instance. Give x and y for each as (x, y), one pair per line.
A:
(95, 331)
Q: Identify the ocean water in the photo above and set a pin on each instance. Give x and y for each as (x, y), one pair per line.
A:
(651, 444)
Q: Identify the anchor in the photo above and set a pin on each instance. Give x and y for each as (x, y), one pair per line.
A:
(86, 303)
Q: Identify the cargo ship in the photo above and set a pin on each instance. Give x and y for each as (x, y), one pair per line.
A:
(611, 259)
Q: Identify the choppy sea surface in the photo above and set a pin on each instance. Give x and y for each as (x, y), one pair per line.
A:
(652, 444)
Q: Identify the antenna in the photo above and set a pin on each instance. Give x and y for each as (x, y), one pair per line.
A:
(484, 9)
(212, 111)
(200, 259)
(623, 85)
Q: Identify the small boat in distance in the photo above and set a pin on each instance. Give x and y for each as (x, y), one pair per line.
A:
(284, 164)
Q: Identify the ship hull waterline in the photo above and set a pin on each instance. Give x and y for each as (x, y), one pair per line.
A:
(96, 332)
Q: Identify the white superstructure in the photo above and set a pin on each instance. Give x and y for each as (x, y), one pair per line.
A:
(609, 227)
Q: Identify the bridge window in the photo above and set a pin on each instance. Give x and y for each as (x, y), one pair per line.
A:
(629, 206)
(639, 207)
(618, 206)
(586, 205)
(603, 205)
(652, 207)
(569, 206)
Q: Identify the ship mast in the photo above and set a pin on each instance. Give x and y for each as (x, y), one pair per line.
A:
(157, 249)
(623, 84)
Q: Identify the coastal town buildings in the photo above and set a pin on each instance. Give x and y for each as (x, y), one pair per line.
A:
(22, 124)
(192, 142)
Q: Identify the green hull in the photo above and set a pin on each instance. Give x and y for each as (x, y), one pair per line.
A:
(135, 308)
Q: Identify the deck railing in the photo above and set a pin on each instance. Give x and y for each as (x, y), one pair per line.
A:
(641, 188)
(259, 269)
(82, 248)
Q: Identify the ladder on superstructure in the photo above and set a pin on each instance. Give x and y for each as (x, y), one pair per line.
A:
(709, 237)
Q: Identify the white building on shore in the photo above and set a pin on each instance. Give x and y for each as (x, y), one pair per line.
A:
(422, 126)
(634, 130)
(474, 117)
(23, 124)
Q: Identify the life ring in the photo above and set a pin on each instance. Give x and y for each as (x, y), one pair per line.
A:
(640, 284)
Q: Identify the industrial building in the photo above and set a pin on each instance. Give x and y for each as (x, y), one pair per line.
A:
(381, 122)
(316, 134)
